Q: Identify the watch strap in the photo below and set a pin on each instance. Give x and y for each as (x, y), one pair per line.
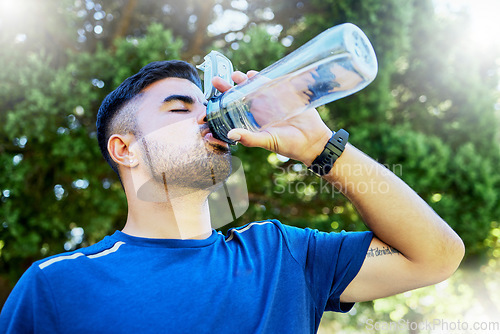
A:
(323, 163)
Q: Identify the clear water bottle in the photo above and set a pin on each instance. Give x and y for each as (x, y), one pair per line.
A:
(338, 62)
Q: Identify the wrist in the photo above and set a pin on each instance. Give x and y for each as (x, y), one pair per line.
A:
(313, 150)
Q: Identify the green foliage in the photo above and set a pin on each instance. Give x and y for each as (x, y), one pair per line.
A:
(52, 174)
(257, 50)
(429, 117)
(157, 44)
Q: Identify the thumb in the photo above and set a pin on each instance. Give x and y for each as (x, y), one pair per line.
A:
(249, 138)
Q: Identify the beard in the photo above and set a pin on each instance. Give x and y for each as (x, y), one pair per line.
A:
(179, 169)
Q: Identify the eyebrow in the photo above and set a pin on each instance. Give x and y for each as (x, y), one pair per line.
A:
(176, 97)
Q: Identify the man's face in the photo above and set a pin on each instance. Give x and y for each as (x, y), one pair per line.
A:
(174, 141)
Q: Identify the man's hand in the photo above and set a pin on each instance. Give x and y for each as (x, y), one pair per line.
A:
(302, 137)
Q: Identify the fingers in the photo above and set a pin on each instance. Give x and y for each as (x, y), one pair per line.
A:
(220, 84)
(251, 73)
(238, 78)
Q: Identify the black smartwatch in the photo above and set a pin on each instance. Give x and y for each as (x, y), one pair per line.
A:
(323, 163)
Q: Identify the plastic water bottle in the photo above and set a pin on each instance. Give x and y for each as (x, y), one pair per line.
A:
(338, 62)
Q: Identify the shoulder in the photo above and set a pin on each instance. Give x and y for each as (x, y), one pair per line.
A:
(292, 235)
(265, 227)
(63, 260)
(262, 236)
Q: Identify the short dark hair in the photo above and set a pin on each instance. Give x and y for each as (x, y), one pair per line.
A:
(115, 102)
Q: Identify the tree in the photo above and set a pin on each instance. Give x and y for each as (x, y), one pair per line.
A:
(424, 117)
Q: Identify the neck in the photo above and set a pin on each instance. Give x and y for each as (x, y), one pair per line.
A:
(185, 216)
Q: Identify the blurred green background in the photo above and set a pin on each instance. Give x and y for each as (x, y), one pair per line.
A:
(431, 116)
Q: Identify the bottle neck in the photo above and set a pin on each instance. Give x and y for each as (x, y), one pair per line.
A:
(218, 122)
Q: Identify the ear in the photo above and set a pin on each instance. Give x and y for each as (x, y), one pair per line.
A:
(121, 150)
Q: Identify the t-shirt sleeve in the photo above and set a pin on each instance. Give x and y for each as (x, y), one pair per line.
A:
(330, 262)
(30, 307)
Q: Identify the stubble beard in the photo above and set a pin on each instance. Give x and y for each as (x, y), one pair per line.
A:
(203, 166)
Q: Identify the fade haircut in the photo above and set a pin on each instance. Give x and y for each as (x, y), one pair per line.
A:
(116, 114)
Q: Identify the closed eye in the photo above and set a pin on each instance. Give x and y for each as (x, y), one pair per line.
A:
(179, 110)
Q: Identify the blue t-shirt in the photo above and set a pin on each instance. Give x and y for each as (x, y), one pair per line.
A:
(265, 277)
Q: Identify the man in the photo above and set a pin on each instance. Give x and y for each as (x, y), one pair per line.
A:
(167, 271)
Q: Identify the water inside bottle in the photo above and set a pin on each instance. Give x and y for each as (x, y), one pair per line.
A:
(278, 100)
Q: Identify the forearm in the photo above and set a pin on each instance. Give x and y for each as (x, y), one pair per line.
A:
(394, 212)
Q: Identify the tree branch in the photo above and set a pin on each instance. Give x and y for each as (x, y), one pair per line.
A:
(124, 24)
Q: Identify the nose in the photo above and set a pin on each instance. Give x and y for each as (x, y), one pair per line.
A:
(201, 118)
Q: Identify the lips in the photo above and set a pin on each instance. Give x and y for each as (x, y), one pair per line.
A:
(208, 136)
(204, 130)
